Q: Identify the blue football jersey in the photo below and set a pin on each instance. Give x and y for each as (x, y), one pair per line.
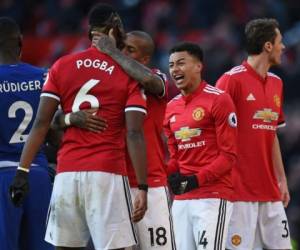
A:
(20, 88)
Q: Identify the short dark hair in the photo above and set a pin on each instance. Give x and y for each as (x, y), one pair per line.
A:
(149, 46)
(191, 48)
(258, 32)
(103, 17)
(10, 34)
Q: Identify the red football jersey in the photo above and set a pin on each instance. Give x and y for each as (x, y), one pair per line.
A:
(201, 132)
(153, 129)
(92, 79)
(259, 110)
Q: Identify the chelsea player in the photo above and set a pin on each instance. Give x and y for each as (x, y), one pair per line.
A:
(20, 87)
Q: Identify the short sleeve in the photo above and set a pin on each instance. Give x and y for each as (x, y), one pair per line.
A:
(164, 81)
(227, 83)
(136, 100)
(50, 87)
(281, 119)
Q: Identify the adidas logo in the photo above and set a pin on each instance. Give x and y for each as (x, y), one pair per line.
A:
(250, 97)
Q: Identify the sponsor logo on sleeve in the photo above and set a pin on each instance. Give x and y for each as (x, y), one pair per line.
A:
(198, 114)
(232, 120)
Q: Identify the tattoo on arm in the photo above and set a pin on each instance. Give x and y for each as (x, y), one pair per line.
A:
(150, 81)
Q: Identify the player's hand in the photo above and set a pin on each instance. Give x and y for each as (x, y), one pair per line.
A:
(181, 184)
(284, 191)
(103, 42)
(87, 119)
(139, 206)
(19, 188)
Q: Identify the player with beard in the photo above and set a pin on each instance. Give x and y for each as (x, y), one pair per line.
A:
(155, 230)
(90, 195)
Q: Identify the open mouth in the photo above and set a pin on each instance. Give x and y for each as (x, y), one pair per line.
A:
(178, 78)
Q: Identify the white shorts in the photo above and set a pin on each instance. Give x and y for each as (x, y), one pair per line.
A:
(258, 225)
(90, 204)
(201, 224)
(155, 230)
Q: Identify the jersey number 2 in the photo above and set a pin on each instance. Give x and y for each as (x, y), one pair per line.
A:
(18, 136)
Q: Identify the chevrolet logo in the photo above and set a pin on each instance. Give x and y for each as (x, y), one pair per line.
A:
(186, 133)
(266, 115)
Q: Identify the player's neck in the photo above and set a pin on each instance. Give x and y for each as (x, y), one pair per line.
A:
(9, 58)
(260, 64)
(192, 88)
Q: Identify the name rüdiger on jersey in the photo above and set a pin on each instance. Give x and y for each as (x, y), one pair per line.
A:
(33, 85)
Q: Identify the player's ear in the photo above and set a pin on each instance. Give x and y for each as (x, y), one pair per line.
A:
(268, 46)
(199, 66)
(146, 60)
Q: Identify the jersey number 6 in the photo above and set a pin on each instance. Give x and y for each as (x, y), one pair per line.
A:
(83, 96)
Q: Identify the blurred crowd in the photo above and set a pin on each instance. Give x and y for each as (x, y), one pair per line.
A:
(53, 28)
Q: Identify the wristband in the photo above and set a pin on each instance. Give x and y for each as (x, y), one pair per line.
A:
(67, 119)
(23, 169)
(143, 187)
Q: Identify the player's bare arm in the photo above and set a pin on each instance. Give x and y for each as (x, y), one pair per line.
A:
(54, 137)
(280, 173)
(137, 152)
(46, 110)
(86, 119)
(150, 81)
(20, 187)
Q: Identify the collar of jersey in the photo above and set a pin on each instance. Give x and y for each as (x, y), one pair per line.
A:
(254, 73)
(191, 96)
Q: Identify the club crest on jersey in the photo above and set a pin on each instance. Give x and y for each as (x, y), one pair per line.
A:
(232, 120)
(236, 240)
(198, 114)
(267, 115)
(276, 99)
(186, 133)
